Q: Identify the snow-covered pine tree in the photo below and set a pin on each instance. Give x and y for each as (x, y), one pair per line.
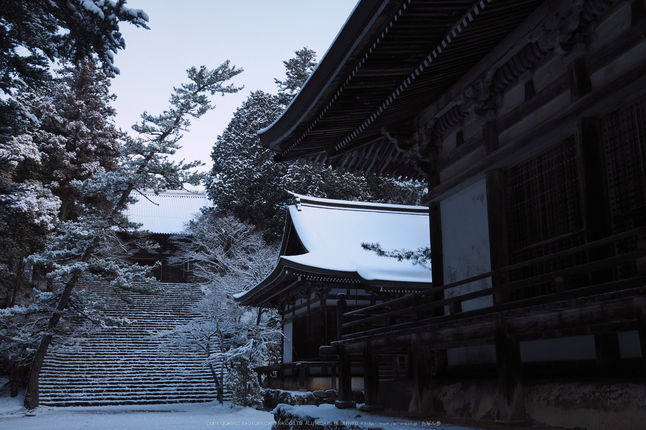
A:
(233, 340)
(82, 247)
(224, 250)
(246, 183)
(76, 133)
(228, 256)
(28, 211)
(70, 136)
(297, 70)
(243, 177)
(36, 33)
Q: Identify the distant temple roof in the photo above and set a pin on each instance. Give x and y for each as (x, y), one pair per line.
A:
(323, 240)
(167, 212)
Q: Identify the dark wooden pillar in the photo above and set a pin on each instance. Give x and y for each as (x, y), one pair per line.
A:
(580, 83)
(437, 264)
(295, 382)
(422, 366)
(490, 134)
(345, 365)
(498, 243)
(607, 352)
(640, 315)
(510, 378)
(370, 378)
(437, 260)
(302, 376)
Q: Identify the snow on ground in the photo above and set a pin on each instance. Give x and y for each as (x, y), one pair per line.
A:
(187, 416)
(136, 417)
(329, 413)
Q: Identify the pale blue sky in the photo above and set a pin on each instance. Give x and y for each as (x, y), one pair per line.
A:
(257, 35)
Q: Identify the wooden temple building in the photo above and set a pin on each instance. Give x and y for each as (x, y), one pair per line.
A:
(163, 215)
(322, 260)
(527, 118)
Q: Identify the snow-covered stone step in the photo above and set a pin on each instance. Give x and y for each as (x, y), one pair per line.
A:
(123, 361)
(136, 391)
(125, 382)
(125, 365)
(125, 401)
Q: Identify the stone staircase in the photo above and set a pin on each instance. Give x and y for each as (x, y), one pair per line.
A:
(130, 364)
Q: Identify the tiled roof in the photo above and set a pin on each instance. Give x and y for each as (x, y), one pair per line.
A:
(332, 232)
(167, 212)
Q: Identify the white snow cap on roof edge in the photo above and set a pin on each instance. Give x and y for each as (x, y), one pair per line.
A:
(332, 232)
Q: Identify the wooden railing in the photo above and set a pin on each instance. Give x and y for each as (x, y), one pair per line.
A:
(431, 306)
(299, 371)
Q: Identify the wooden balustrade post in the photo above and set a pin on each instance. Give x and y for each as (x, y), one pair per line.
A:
(422, 366)
(510, 380)
(639, 304)
(370, 378)
(302, 376)
(345, 365)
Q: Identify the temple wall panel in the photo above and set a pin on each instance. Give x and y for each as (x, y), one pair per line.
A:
(629, 344)
(535, 122)
(287, 342)
(561, 349)
(466, 242)
(545, 74)
(455, 168)
(512, 98)
(630, 59)
(611, 27)
(471, 355)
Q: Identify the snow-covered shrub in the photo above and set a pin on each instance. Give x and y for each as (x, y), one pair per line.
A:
(242, 382)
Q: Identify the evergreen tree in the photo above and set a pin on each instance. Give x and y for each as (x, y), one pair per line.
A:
(246, 183)
(297, 70)
(228, 256)
(76, 132)
(82, 247)
(28, 209)
(243, 178)
(36, 33)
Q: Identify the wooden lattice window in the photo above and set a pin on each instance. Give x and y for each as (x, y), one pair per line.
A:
(307, 335)
(544, 215)
(624, 141)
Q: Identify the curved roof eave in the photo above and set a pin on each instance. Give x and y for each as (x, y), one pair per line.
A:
(391, 61)
(349, 43)
(273, 285)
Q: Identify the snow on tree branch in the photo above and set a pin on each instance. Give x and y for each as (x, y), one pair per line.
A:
(421, 256)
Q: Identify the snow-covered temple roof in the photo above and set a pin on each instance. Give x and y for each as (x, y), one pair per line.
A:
(323, 240)
(167, 212)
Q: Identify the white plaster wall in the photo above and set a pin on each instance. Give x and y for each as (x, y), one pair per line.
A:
(465, 242)
(287, 342)
(566, 348)
(629, 344)
(471, 355)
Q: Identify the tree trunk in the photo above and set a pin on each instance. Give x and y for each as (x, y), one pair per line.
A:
(16, 379)
(218, 386)
(17, 286)
(32, 398)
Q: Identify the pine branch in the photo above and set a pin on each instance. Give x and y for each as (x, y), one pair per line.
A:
(420, 256)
